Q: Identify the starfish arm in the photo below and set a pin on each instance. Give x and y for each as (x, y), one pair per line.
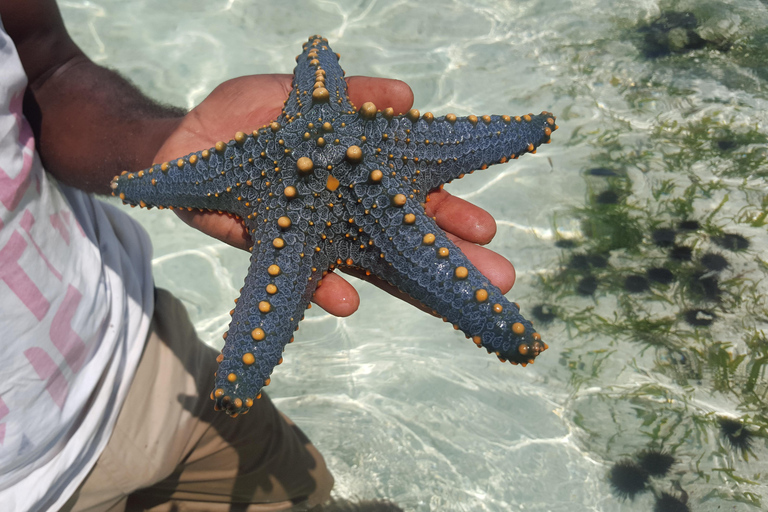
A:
(218, 179)
(277, 290)
(318, 82)
(415, 255)
(445, 148)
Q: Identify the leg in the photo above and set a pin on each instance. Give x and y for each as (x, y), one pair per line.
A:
(171, 450)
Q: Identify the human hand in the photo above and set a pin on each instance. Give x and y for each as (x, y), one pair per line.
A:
(249, 102)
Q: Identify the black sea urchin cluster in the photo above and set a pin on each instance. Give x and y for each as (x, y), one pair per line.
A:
(629, 477)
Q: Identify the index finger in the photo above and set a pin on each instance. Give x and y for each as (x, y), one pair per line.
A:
(460, 217)
(382, 92)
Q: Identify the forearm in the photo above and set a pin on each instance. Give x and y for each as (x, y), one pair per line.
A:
(95, 124)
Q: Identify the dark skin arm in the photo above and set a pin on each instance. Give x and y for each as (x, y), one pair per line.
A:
(84, 107)
(94, 124)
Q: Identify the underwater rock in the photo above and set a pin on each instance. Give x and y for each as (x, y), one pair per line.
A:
(672, 32)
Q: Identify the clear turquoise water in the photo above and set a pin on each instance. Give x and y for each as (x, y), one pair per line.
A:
(400, 404)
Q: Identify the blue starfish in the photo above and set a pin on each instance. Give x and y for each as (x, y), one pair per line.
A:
(327, 185)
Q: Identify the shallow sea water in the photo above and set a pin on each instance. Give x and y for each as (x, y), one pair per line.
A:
(400, 404)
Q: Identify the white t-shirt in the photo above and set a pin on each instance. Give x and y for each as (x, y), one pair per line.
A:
(76, 299)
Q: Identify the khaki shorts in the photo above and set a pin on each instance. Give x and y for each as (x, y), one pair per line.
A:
(171, 451)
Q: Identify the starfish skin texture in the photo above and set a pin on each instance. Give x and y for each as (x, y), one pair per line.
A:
(327, 185)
